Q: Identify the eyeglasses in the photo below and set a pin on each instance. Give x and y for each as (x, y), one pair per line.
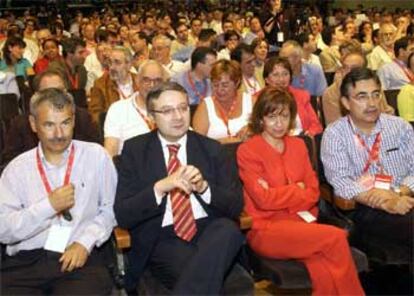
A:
(170, 111)
(148, 81)
(364, 97)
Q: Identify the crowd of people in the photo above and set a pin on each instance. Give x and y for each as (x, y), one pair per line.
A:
(160, 90)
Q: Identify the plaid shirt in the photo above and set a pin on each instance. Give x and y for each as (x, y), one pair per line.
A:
(344, 158)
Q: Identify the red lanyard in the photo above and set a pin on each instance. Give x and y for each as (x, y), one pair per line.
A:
(149, 122)
(202, 95)
(43, 173)
(407, 72)
(225, 115)
(74, 79)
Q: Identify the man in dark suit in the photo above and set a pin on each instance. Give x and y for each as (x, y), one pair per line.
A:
(192, 253)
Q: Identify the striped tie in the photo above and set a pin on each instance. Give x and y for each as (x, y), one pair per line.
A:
(183, 218)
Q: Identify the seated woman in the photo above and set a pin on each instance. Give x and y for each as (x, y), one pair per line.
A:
(13, 60)
(224, 115)
(50, 52)
(281, 194)
(278, 73)
(405, 99)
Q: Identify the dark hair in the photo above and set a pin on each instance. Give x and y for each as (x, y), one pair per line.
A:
(156, 92)
(50, 40)
(270, 100)
(206, 34)
(69, 45)
(272, 62)
(303, 38)
(199, 55)
(256, 42)
(47, 73)
(101, 36)
(409, 59)
(229, 34)
(401, 43)
(237, 53)
(12, 41)
(356, 75)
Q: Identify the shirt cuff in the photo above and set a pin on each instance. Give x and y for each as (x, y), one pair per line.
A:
(158, 197)
(206, 195)
(44, 209)
(409, 182)
(88, 241)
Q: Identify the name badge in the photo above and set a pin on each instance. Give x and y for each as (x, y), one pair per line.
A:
(383, 182)
(58, 238)
(307, 216)
(280, 37)
(367, 181)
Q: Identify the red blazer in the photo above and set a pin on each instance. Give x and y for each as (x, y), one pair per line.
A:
(258, 159)
(308, 118)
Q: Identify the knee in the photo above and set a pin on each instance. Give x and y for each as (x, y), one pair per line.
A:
(227, 229)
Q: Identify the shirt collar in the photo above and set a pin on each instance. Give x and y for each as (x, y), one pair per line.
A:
(375, 130)
(182, 142)
(49, 165)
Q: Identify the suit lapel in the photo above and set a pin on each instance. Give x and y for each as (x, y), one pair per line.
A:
(155, 158)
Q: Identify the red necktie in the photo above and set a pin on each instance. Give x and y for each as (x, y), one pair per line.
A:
(183, 218)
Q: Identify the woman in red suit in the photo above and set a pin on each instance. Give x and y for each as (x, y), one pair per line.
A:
(281, 193)
(278, 73)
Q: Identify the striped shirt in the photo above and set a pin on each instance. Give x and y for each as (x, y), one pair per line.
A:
(344, 158)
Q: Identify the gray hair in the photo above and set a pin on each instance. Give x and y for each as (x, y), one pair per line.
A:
(167, 41)
(58, 98)
(165, 74)
(127, 53)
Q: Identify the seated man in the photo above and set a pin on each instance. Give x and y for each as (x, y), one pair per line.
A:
(368, 156)
(176, 198)
(331, 99)
(56, 207)
(128, 118)
(20, 137)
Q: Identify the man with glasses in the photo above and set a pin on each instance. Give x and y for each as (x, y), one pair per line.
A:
(128, 118)
(369, 157)
(161, 52)
(116, 84)
(177, 200)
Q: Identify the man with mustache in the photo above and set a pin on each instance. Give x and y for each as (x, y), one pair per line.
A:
(368, 157)
(56, 207)
(117, 84)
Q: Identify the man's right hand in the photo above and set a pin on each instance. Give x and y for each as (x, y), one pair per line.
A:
(400, 205)
(175, 180)
(62, 198)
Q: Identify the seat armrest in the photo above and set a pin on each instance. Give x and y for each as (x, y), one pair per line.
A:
(122, 238)
(245, 221)
(344, 204)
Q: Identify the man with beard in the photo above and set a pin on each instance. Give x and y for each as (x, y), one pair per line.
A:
(368, 157)
(56, 207)
(117, 84)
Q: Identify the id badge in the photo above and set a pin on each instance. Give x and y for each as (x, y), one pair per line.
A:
(58, 238)
(307, 216)
(383, 182)
(367, 181)
(280, 37)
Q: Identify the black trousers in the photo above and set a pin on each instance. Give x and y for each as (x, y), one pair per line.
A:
(197, 267)
(37, 272)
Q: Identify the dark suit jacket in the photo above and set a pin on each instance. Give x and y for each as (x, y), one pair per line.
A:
(141, 165)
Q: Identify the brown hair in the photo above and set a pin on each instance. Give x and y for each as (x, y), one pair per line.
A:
(270, 100)
(232, 68)
(272, 62)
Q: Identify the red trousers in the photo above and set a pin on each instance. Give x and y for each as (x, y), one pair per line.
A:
(322, 248)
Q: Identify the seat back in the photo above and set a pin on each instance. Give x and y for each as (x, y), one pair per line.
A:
(391, 97)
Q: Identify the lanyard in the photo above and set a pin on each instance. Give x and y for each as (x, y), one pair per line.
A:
(148, 121)
(250, 87)
(373, 153)
(225, 115)
(407, 72)
(74, 79)
(43, 173)
(121, 93)
(202, 95)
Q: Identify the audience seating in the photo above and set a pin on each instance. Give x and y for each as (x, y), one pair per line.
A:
(391, 97)
(79, 95)
(9, 108)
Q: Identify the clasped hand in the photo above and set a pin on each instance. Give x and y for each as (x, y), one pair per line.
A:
(188, 178)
